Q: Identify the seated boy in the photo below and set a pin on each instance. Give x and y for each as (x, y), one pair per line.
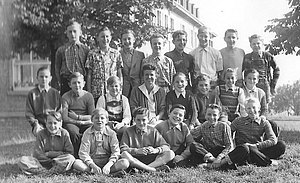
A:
(99, 150)
(116, 105)
(78, 106)
(251, 146)
(178, 135)
(41, 100)
(144, 146)
(213, 139)
(53, 149)
(149, 95)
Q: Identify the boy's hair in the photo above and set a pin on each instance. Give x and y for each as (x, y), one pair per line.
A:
(230, 70)
(202, 77)
(99, 111)
(177, 106)
(42, 69)
(231, 31)
(104, 28)
(148, 67)
(76, 75)
(179, 74)
(178, 33)
(55, 115)
(252, 100)
(255, 36)
(214, 106)
(248, 71)
(112, 80)
(156, 35)
(74, 23)
(140, 111)
(203, 29)
(127, 31)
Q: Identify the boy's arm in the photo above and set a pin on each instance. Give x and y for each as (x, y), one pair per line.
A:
(124, 144)
(126, 111)
(194, 118)
(159, 142)
(271, 137)
(65, 113)
(89, 80)
(264, 106)
(39, 149)
(85, 148)
(188, 141)
(133, 101)
(119, 67)
(228, 142)
(114, 148)
(68, 147)
(219, 65)
(29, 111)
(58, 63)
(276, 74)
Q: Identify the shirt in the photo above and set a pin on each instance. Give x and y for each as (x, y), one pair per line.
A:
(260, 95)
(91, 145)
(202, 102)
(150, 99)
(176, 136)
(253, 131)
(132, 140)
(213, 135)
(233, 58)
(207, 61)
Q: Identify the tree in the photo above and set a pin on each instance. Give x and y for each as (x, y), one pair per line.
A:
(287, 30)
(39, 25)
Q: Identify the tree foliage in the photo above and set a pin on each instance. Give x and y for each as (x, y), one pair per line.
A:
(287, 30)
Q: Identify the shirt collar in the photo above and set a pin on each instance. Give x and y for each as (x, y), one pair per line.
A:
(178, 126)
(128, 52)
(46, 88)
(103, 132)
(178, 94)
(139, 131)
(80, 94)
(58, 133)
(205, 49)
(178, 53)
(227, 88)
(251, 90)
(257, 120)
(145, 91)
(110, 98)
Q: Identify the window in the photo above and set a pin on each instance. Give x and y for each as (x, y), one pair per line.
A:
(172, 23)
(24, 70)
(158, 18)
(181, 2)
(166, 21)
(182, 27)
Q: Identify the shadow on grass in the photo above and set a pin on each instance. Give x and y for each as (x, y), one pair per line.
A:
(8, 170)
(290, 136)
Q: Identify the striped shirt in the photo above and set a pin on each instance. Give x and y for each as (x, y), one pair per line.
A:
(213, 135)
(253, 131)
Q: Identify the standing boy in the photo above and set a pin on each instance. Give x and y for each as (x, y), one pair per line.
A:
(70, 57)
(183, 62)
(164, 65)
(132, 60)
(208, 60)
(41, 100)
(233, 56)
(78, 106)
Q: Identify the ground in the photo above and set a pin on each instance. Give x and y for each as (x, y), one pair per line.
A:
(16, 141)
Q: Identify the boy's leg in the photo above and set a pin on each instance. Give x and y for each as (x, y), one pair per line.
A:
(162, 159)
(121, 164)
(134, 162)
(258, 158)
(75, 137)
(62, 163)
(126, 87)
(30, 165)
(238, 156)
(80, 166)
(198, 152)
(274, 152)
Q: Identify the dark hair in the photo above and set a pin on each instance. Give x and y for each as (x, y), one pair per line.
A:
(248, 71)
(76, 75)
(179, 74)
(55, 115)
(99, 111)
(255, 36)
(127, 31)
(234, 71)
(178, 33)
(140, 111)
(177, 106)
(156, 35)
(203, 29)
(42, 69)
(202, 77)
(148, 67)
(104, 28)
(73, 22)
(214, 106)
(232, 31)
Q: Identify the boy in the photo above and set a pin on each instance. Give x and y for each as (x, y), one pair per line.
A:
(165, 69)
(53, 149)
(132, 60)
(251, 146)
(183, 62)
(149, 95)
(213, 139)
(41, 100)
(102, 62)
(184, 97)
(208, 60)
(70, 57)
(263, 62)
(144, 146)
(116, 105)
(178, 135)
(233, 56)
(78, 106)
(99, 150)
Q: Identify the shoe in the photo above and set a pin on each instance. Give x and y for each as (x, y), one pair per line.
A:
(226, 167)
(119, 174)
(274, 162)
(163, 168)
(133, 171)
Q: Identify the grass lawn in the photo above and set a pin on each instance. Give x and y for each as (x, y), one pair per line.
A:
(16, 141)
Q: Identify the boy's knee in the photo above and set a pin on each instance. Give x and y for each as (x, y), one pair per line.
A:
(124, 163)
(169, 155)
(79, 165)
(194, 146)
(281, 146)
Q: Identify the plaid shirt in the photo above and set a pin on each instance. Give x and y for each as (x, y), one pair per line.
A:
(213, 135)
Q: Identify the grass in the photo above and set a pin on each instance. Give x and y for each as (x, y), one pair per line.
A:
(18, 141)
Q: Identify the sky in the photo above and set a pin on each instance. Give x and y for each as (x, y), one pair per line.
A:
(248, 17)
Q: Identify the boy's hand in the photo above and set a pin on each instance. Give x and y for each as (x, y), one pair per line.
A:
(106, 168)
(216, 163)
(178, 158)
(143, 151)
(95, 169)
(118, 126)
(37, 128)
(152, 150)
(72, 114)
(53, 154)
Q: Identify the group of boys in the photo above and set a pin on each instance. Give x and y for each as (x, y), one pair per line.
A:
(146, 81)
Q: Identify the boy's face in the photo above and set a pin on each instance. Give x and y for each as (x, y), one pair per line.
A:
(251, 80)
(77, 84)
(252, 109)
(212, 115)
(204, 87)
(180, 83)
(104, 38)
(230, 79)
(149, 77)
(203, 39)
(180, 42)
(230, 39)
(256, 45)
(73, 33)
(99, 121)
(157, 45)
(141, 121)
(53, 125)
(114, 89)
(128, 41)
(44, 78)
(176, 116)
